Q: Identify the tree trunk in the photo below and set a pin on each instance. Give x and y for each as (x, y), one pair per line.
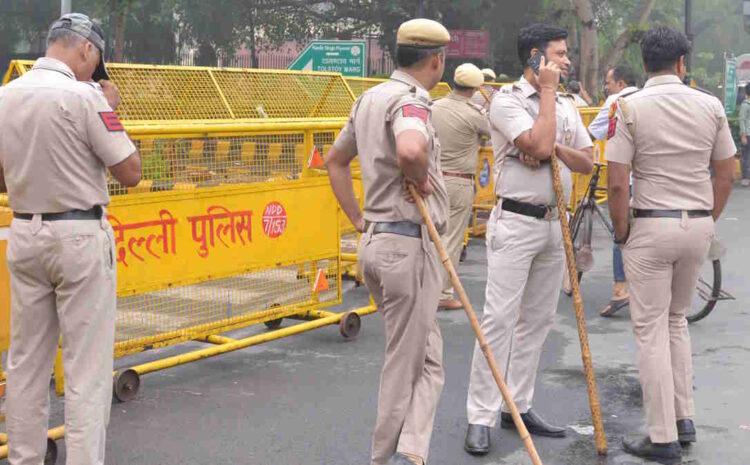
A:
(640, 16)
(120, 33)
(589, 72)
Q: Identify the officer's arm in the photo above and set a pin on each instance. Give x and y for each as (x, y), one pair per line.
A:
(618, 200)
(411, 153)
(722, 163)
(620, 152)
(340, 175)
(598, 127)
(579, 156)
(128, 171)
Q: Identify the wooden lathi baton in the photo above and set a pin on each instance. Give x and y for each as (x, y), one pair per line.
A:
(583, 337)
(446, 260)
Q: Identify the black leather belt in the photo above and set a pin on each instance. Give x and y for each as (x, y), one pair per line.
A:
(638, 213)
(92, 214)
(470, 177)
(527, 209)
(402, 228)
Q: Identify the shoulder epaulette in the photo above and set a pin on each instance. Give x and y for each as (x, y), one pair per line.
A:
(632, 92)
(704, 91)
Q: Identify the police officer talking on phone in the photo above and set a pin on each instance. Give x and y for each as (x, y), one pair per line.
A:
(59, 135)
(525, 257)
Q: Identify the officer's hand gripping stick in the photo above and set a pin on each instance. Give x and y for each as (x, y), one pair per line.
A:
(445, 259)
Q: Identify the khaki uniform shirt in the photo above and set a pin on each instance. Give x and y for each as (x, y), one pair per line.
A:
(57, 138)
(378, 116)
(669, 133)
(513, 111)
(459, 124)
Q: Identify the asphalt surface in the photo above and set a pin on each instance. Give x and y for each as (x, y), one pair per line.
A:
(311, 398)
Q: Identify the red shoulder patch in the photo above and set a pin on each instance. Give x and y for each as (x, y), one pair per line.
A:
(415, 111)
(612, 127)
(111, 121)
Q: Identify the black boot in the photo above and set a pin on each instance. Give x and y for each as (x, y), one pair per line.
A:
(666, 453)
(477, 440)
(534, 423)
(685, 431)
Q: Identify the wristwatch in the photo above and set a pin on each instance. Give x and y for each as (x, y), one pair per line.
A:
(624, 239)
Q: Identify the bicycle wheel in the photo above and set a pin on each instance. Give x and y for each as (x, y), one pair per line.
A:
(707, 292)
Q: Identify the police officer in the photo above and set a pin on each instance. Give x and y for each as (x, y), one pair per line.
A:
(672, 136)
(58, 136)
(459, 124)
(525, 257)
(488, 76)
(390, 128)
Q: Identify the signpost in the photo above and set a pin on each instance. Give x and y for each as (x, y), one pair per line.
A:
(730, 85)
(338, 56)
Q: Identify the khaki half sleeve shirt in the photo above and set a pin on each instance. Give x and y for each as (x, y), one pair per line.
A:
(58, 136)
(459, 124)
(378, 116)
(513, 111)
(668, 133)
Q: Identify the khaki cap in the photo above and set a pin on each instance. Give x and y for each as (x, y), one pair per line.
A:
(422, 32)
(487, 72)
(468, 75)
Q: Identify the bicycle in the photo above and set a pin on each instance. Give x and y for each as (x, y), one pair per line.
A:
(709, 290)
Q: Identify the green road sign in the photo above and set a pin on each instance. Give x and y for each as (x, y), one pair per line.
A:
(338, 56)
(730, 86)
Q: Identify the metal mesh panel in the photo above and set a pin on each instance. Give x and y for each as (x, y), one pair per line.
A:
(167, 93)
(259, 94)
(162, 93)
(190, 163)
(360, 85)
(189, 312)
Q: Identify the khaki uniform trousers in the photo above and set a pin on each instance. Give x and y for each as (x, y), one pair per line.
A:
(525, 266)
(63, 278)
(461, 199)
(403, 276)
(663, 257)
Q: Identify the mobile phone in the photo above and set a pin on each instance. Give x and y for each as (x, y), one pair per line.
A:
(536, 61)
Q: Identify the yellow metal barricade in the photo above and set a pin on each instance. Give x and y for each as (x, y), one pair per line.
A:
(359, 85)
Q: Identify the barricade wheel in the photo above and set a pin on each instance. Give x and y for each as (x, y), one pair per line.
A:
(349, 325)
(274, 324)
(125, 384)
(50, 457)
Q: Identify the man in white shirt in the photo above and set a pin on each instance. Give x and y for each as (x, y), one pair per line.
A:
(620, 81)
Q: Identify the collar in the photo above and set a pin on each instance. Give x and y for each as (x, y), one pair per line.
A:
(525, 86)
(53, 64)
(406, 78)
(661, 80)
(459, 98)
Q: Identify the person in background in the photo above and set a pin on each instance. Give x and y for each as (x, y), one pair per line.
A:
(620, 81)
(459, 124)
(744, 131)
(579, 95)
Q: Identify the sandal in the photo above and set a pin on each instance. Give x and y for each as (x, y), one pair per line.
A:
(614, 306)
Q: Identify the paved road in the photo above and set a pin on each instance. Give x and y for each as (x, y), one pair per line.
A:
(310, 399)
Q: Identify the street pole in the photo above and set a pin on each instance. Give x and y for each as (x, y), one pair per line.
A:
(65, 7)
(689, 33)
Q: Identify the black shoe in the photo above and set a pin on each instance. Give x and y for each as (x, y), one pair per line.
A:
(477, 440)
(685, 431)
(666, 453)
(534, 423)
